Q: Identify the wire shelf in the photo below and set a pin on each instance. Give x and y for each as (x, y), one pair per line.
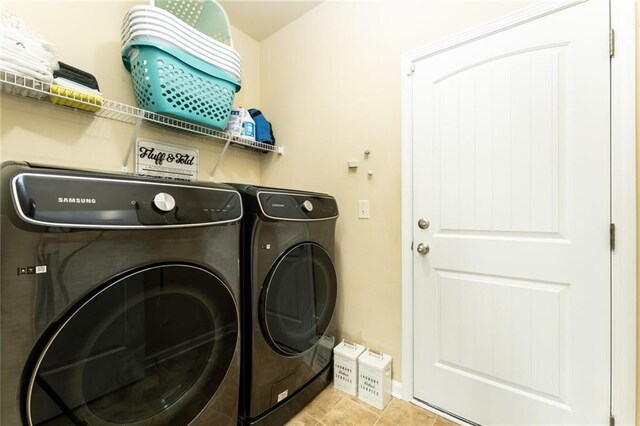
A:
(16, 84)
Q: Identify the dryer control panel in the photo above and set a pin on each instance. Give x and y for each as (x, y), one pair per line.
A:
(292, 206)
(73, 200)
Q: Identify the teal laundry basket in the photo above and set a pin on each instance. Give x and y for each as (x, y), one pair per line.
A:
(206, 16)
(172, 82)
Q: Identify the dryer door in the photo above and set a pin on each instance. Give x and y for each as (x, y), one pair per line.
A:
(299, 298)
(152, 347)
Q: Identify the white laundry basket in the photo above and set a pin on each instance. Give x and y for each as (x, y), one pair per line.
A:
(345, 366)
(374, 378)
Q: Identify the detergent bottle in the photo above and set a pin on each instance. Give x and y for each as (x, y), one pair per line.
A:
(248, 127)
(234, 125)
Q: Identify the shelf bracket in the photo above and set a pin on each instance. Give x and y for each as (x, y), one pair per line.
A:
(132, 144)
(224, 150)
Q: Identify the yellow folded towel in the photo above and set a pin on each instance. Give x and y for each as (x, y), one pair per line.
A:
(75, 99)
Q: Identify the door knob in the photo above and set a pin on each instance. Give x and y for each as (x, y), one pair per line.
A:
(422, 249)
(423, 223)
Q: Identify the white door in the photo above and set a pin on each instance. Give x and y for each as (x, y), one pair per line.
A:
(511, 169)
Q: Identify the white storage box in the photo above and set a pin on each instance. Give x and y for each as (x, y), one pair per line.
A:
(374, 378)
(345, 366)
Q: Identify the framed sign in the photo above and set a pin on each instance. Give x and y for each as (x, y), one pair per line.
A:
(166, 161)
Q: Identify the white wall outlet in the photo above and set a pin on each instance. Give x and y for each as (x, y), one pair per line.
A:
(353, 164)
(363, 209)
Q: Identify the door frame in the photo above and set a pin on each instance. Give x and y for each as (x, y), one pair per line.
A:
(623, 194)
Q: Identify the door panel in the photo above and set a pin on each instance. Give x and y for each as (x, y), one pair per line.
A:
(511, 168)
(517, 345)
(500, 144)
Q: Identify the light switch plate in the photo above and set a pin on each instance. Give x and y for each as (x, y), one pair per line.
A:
(363, 209)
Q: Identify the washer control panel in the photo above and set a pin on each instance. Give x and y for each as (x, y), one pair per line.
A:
(86, 201)
(291, 206)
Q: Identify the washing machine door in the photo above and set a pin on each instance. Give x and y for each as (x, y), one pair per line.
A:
(298, 299)
(152, 347)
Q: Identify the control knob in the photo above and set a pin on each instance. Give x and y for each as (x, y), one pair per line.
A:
(164, 202)
(307, 206)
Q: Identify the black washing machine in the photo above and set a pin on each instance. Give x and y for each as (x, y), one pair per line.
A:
(119, 298)
(289, 289)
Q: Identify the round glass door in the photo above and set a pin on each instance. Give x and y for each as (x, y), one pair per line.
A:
(299, 299)
(150, 348)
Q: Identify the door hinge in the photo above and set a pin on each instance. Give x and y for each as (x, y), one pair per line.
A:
(612, 43)
(612, 421)
(412, 69)
(612, 236)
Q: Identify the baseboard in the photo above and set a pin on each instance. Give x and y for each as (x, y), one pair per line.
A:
(396, 389)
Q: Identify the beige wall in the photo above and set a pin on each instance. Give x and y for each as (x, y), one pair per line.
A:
(638, 205)
(87, 35)
(331, 86)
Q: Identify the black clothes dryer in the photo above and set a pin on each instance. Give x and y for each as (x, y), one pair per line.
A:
(118, 301)
(289, 289)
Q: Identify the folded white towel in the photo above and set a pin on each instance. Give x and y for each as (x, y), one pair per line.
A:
(26, 72)
(24, 48)
(30, 69)
(24, 60)
(10, 47)
(20, 42)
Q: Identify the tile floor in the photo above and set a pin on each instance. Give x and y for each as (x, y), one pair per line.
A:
(335, 408)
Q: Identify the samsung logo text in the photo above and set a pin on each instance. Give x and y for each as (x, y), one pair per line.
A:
(66, 200)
